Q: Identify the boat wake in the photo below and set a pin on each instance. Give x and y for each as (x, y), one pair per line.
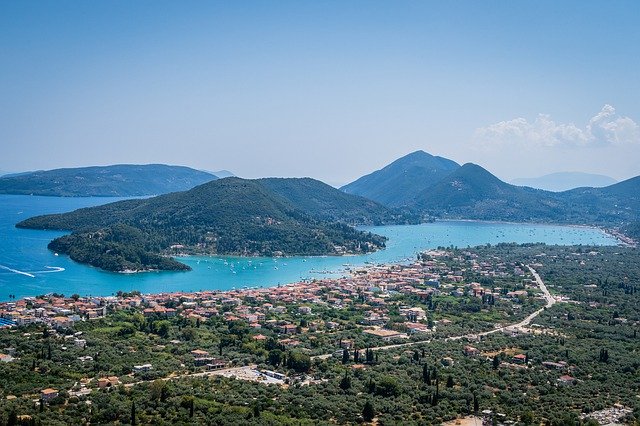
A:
(49, 270)
(6, 268)
(31, 274)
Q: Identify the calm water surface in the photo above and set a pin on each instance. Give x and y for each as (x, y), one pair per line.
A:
(28, 268)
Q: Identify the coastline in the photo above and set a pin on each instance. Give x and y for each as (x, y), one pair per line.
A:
(618, 235)
(405, 242)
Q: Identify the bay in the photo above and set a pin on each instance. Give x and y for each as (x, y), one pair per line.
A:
(28, 268)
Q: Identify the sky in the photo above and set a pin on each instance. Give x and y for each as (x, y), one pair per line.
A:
(327, 89)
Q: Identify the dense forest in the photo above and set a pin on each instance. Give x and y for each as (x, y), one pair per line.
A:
(226, 216)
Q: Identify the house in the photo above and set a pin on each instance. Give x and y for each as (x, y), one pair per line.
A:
(107, 382)
(288, 329)
(62, 322)
(384, 334)
(519, 359)
(416, 327)
(554, 365)
(566, 380)
(346, 344)
(471, 351)
(142, 368)
(216, 364)
(201, 357)
(48, 394)
(6, 358)
(447, 361)
(304, 310)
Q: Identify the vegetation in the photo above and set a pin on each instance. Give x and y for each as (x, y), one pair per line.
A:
(592, 336)
(436, 187)
(322, 201)
(226, 216)
(400, 182)
(123, 180)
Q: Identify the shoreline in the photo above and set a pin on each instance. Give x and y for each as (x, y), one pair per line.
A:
(268, 282)
(618, 235)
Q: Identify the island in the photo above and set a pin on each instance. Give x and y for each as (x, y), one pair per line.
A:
(230, 216)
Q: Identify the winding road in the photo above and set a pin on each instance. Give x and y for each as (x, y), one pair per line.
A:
(512, 327)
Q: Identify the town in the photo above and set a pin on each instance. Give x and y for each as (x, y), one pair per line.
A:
(469, 304)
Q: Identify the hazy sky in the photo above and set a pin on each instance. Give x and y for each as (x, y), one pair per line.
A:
(331, 90)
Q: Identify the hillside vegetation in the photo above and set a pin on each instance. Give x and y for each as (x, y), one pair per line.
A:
(122, 180)
(226, 216)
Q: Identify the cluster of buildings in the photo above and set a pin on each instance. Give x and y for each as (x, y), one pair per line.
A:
(369, 289)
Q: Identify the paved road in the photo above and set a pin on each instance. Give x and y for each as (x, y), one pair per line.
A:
(515, 327)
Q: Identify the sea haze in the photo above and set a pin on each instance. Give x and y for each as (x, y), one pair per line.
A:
(28, 268)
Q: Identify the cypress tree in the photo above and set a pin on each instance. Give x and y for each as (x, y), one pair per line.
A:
(368, 412)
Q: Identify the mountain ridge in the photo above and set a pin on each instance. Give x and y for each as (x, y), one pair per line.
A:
(118, 180)
(565, 181)
(396, 184)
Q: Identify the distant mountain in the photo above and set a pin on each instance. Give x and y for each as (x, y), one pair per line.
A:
(328, 203)
(225, 216)
(612, 204)
(122, 180)
(223, 174)
(400, 182)
(564, 181)
(471, 192)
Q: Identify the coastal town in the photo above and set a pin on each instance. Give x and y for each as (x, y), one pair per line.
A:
(282, 335)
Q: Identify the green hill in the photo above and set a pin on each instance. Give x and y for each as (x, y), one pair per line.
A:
(471, 192)
(226, 216)
(400, 182)
(122, 180)
(328, 203)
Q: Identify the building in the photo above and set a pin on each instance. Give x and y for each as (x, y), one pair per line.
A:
(48, 394)
(471, 351)
(566, 380)
(216, 364)
(384, 334)
(142, 368)
(107, 382)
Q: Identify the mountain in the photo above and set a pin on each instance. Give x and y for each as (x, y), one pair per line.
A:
(325, 202)
(471, 192)
(612, 204)
(400, 182)
(226, 216)
(122, 180)
(223, 174)
(564, 181)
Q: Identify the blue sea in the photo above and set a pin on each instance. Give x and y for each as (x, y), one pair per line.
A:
(28, 268)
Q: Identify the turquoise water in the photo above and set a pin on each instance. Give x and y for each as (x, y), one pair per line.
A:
(27, 268)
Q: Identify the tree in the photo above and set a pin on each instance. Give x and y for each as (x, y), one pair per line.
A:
(426, 374)
(527, 418)
(275, 357)
(345, 383)
(133, 413)
(496, 362)
(449, 382)
(163, 328)
(345, 356)
(299, 361)
(157, 390)
(368, 412)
